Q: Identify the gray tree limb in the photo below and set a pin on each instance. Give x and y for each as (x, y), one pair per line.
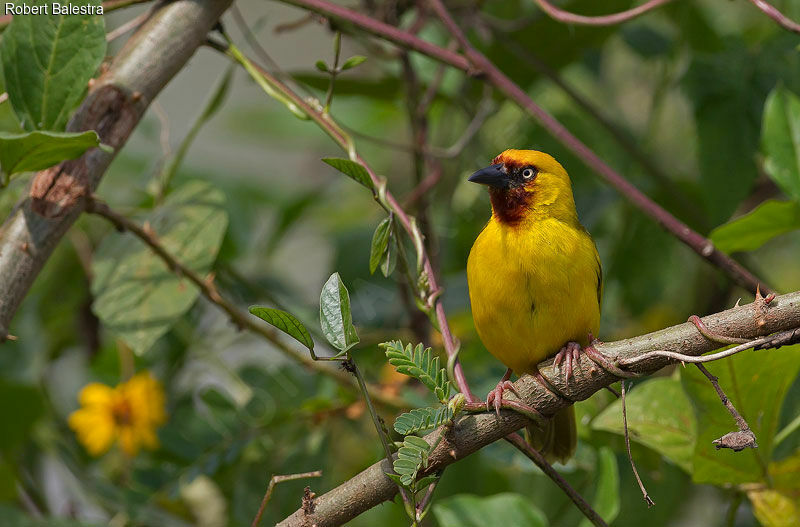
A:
(116, 102)
(472, 432)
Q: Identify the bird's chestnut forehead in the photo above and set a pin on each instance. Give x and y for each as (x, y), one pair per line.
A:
(511, 163)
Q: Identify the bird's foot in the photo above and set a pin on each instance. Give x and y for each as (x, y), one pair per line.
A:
(569, 355)
(496, 396)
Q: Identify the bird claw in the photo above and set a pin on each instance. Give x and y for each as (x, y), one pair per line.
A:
(570, 355)
(496, 396)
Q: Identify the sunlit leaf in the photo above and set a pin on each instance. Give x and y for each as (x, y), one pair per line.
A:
(321, 66)
(39, 150)
(659, 415)
(507, 509)
(335, 316)
(47, 62)
(780, 140)
(137, 297)
(751, 231)
(773, 508)
(756, 383)
(285, 322)
(351, 169)
(353, 61)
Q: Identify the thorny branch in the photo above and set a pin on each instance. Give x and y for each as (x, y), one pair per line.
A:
(472, 432)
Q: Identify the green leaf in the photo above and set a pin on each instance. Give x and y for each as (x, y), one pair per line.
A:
(411, 457)
(351, 169)
(420, 419)
(353, 61)
(467, 510)
(780, 140)
(334, 315)
(389, 261)
(321, 66)
(607, 496)
(749, 232)
(47, 63)
(137, 297)
(418, 363)
(660, 416)
(39, 150)
(380, 240)
(756, 383)
(285, 322)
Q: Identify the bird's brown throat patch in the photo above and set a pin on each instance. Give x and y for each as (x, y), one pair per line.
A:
(510, 205)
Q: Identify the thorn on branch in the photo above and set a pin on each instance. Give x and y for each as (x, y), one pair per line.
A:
(736, 441)
(308, 501)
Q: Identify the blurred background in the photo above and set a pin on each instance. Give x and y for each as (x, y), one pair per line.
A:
(684, 87)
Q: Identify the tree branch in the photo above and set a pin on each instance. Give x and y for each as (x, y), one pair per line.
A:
(475, 63)
(115, 104)
(472, 432)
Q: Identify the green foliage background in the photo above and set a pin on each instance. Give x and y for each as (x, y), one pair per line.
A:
(707, 90)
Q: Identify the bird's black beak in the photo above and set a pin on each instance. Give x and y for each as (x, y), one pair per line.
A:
(493, 175)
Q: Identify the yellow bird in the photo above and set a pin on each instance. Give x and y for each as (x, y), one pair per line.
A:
(535, 279)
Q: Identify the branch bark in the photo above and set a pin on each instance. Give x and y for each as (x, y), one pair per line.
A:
(472, 432)
(115, 104)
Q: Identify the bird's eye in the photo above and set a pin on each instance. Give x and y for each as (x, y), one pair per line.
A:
(528, 173)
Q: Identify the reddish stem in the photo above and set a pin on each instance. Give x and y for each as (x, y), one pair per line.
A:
(604, 20)
(772, 12)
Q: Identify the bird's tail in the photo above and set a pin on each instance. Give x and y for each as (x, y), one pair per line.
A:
(557, 438)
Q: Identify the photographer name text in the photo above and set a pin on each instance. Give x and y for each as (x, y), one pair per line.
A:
(53, 8)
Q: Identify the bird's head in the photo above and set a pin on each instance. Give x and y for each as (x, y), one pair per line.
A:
(527, 184)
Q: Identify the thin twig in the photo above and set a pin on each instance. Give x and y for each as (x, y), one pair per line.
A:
(645, 495)
(209, 290)
(736, 441)
(772, 12)
(539, 460)
(604, 20)
(362, 385)
(274, 480)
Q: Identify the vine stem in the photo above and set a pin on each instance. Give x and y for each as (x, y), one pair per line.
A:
(604, 20)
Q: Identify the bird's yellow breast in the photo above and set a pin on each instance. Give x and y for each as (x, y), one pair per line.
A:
(533, 288)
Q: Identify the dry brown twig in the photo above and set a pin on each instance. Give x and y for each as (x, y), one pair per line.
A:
(274, 480)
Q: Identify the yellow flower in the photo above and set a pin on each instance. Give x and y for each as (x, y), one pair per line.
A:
(129, 413)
